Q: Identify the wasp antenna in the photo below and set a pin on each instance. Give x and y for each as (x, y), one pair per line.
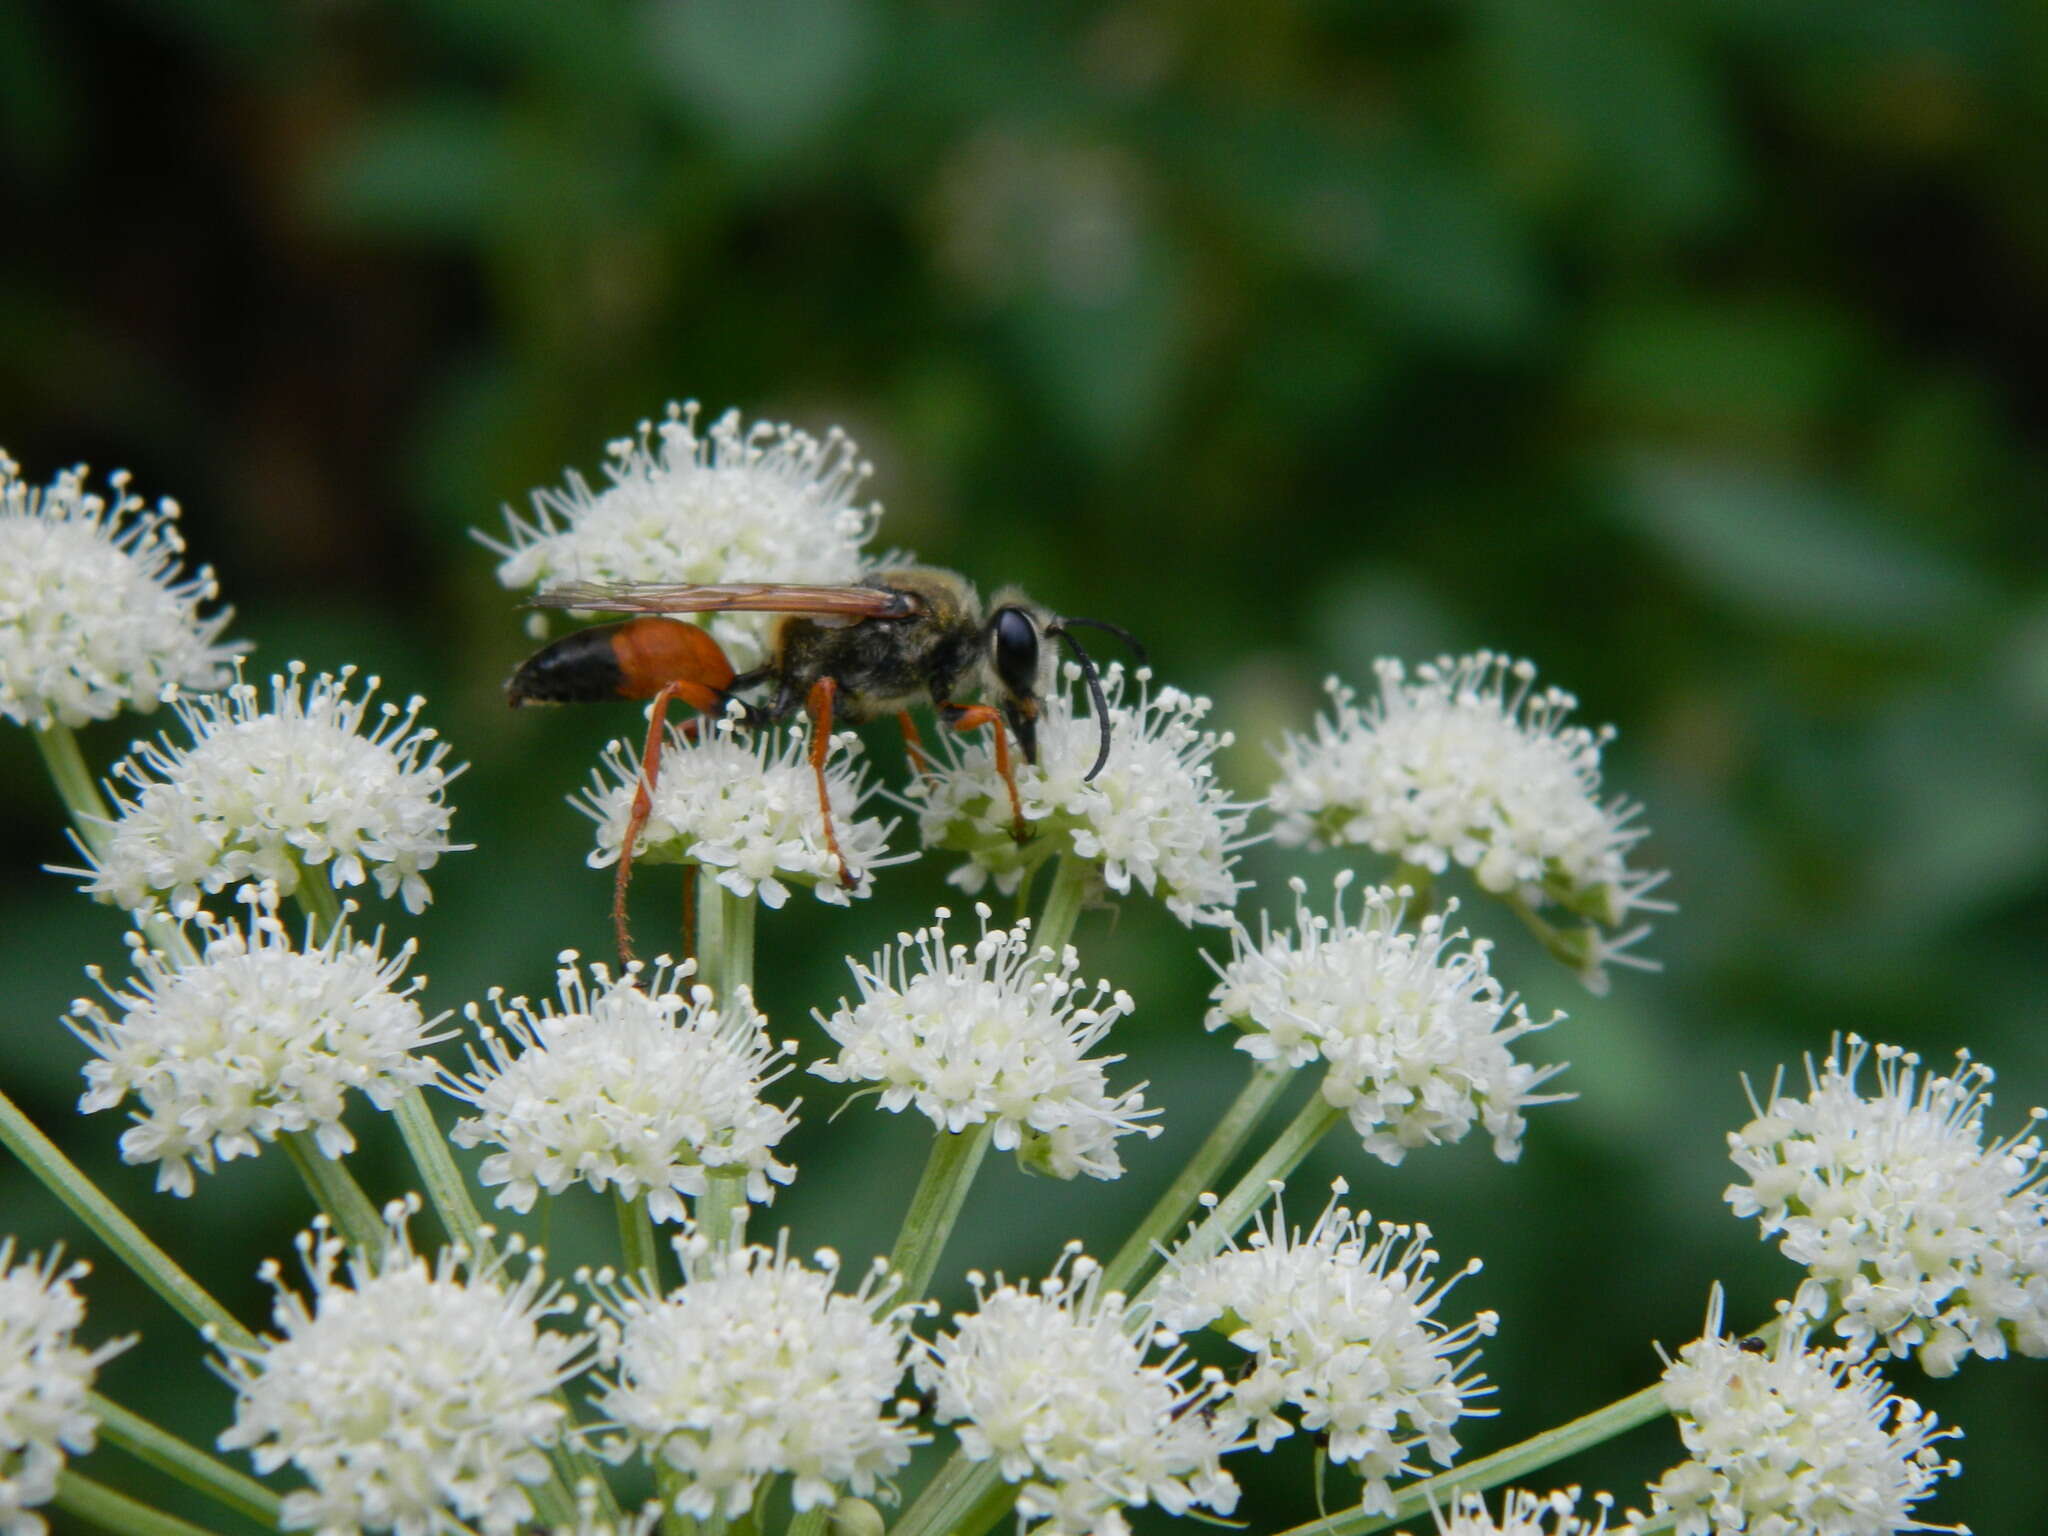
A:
(1095, 697)
(1137, 649)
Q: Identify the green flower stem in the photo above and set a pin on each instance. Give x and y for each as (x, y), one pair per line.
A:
(636, 1239)
(446, 1191)
(935, 1206)
(811, 1522)
(336, 1192)
(1571, 947)
(317, 899)
(1225, 1140)
(112, 1226)
(1070, 881)
(74, 782)
(1422, 883)
(725, 940)
(960, 1491)
(187, 1463)
(722, 1210)
(110, 1511)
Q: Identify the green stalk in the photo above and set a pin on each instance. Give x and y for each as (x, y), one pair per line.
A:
(445, 1189)
(1225, 1140)
(722, 1210)
(336, 1192)
(811, 1522)
(956, 1492)
(317, 899)
(74, 782)
(934, 1207)
(110, 1511)
(1070, 881)
(187, 1463)
(725, 941)
(641, 1252)
(112, 1226)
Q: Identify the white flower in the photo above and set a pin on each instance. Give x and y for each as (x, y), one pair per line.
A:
(1342, 1325)
(264, 793)
(94, 615)
(45, 1381)
(752, 1367)
(1055, 1385)
(996, 1033)
(745, 806)
(738, 503)
(1524, 1514)
(1468, 764)
(1155, 816)
(1917, 1237)
(633, 1086)
(251, 1038)
(414, 1396)
(1790, 1441)
(1416, 1033)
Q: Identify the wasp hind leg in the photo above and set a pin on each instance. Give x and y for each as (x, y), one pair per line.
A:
(972, 717)
(818, 705)
(703, 699)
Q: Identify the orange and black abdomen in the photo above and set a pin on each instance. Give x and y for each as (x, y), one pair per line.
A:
(634, 659)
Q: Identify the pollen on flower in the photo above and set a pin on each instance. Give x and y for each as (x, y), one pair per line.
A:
(632, 1086)
(251, 1037)
(1341, 1325)
(1467, 763)
(746, 809)
(994, 1032)
(756, 1366)
(95, 616)
(318, 778)
(1524, 1514)
(1414, 1028)
(413, 1394)
(731, 502)
(1918, 1239)
(1155, 817)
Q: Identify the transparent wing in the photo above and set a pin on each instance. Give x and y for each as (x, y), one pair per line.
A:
(729, 597)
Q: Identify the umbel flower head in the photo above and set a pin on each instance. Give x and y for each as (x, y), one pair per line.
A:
(273, 793)
(730, 503)
(46, 1378)
(994, 1032)
(631, 1086)
(1467, 763)
(1416, 1031)
(745, 807)
(1341, 1325)
(1059, 1385)
(1787, 1441)
(251, 1037)
(756, 1366)
(1917, 1238)
(414, 1395)
(1155, 817)
(1523, 1514)
(95, 617)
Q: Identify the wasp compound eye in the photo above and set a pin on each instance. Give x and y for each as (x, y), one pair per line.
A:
(1016, 651)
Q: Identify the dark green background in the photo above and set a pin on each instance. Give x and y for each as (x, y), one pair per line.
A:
(1691, 349)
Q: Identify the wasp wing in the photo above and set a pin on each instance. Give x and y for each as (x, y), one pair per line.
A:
(728, 597)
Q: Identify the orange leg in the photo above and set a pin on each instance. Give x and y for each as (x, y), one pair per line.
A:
(969, 717)
(819, 707)
(913, 745)
(643, 794)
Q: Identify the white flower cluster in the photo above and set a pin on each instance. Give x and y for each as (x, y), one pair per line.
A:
(1468, 764)
(1340, 1324)
(999, 1032)
(45, 1381)
(732, 503)
(1918, 1239)
(249, 1039)
(1790, 1441)
(1155, 817)
(1416, 1033)
(1524, 1514)
(746, 808)
(755, 1366)
(1057, 1387)
(94, 616)
(632, 1086)
(414, 1396)
(263, 794)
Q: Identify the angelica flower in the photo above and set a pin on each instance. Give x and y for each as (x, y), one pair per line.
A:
(1060, 1387)
(46, 1382)
(756, 1366)
(1416, 1032)
(1788, 1440)
(1523, 1514)
(735, 503)
(745, 807)
(1468, 764)
(266, 794)
(95, 617)
(1155, 816)
(1918, 1239)
(999, 1033)
(632, 1086)
(250, 1038)
(1341, 1325)
(414, 1395)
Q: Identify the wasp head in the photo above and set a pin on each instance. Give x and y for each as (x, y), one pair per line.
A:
(1021, 665)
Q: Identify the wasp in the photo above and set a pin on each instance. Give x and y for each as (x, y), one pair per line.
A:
(905, 636)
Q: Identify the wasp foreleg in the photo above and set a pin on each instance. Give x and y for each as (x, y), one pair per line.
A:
(819, 707)
(970, 717)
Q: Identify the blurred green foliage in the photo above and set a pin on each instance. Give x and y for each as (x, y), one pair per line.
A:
(1691, 349)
